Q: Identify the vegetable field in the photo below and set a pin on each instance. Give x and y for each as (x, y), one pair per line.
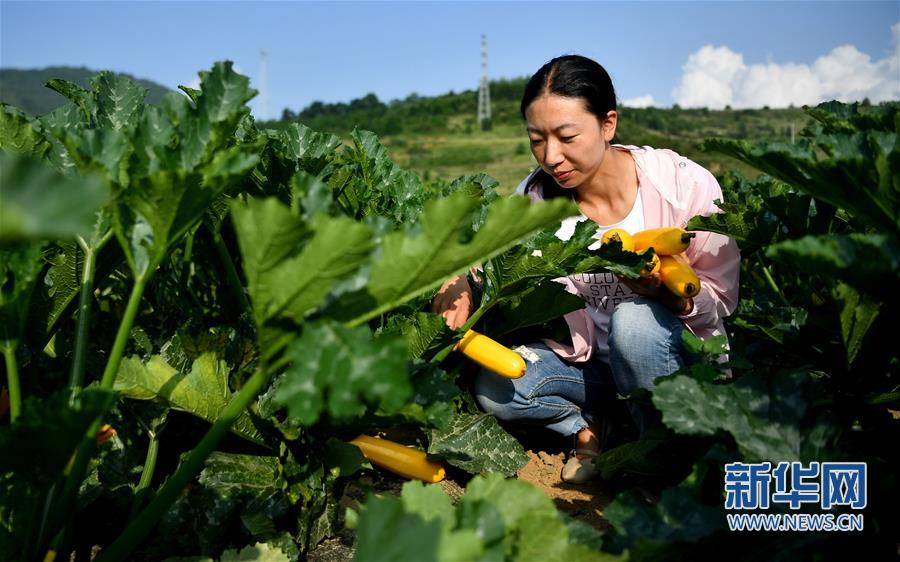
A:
(198, 316)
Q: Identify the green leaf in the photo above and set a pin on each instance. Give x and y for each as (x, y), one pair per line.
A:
(411, 536)
(38, 203)
(341, 372)
(119, 101)
(423, 331)
(76, 94)
(870, 262)
(255, 482)
(840, 169)
(19, 134)
(633, 456)
(857, 316)
(762, 413)
(677, 517)
(411, 264)
(532, 307)
(307, 149)
(477, 444)
(203, 391)
(291, 266)
(19, 269)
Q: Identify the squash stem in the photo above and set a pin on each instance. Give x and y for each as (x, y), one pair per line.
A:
(124, 333)
(770, 281)
(476, 316)
(79, 362)
(234, 282)
(143, 487)
(12, 378)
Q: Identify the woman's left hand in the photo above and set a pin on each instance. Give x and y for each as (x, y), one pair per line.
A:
(653, 288)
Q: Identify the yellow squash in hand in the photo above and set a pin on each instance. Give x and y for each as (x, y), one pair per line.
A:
(405, 461)
(678, 275)
(492, 355)
(620, 235)
(667, 241)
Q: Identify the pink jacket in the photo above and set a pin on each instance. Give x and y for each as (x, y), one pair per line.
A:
(673, 189)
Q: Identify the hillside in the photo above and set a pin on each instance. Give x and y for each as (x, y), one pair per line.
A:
(26, 90)
(438, 137)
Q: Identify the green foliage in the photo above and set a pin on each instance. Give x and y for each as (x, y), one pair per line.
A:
(477, 444)
(274, 285)
(497, 519)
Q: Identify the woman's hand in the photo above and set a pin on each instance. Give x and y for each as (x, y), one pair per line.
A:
(653, 288)
(454, 301)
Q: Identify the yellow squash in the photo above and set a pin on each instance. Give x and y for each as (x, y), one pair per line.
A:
(678, 275)
(621, 235)
(652, 267)
(667, 241)
(405, 461)
(492, 355)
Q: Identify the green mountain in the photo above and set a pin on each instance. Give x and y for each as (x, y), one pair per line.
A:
(26, 90)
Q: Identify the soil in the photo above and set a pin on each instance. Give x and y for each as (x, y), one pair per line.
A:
(584, 502)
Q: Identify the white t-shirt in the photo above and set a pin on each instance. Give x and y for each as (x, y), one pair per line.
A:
(602, 291)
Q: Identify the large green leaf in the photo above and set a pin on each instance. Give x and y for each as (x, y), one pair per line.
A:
(477, 444)
(867, 261)
(419, 259)
(203, 391)
(417, 524)
(290, 265)
(678, 516)
(764, 414)
(516, 521)
(342, 372)
(19, 134)
(38, 203)
(858, 172)
(119, 101)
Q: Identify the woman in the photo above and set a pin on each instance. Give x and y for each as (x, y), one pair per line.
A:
(629, 332)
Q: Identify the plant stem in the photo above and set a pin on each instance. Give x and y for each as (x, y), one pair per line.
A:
(770, 281)
(142, 489)
(79, 362)
(12, 377)
(118, 349)
(233, 280)
(74, 475)
(476, 316)
(172, 489)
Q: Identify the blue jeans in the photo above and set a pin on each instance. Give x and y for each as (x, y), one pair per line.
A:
(644, 343)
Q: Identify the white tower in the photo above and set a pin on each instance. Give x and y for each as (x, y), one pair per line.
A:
(484, 90)
(263, 85)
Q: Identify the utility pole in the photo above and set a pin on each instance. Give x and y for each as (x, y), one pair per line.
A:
(263, 85)
(484, 90)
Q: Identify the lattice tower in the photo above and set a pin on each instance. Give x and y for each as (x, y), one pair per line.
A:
(484, 90)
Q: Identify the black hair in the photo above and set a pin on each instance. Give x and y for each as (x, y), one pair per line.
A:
(571, 76)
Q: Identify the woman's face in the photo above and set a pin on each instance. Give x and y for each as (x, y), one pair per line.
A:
(567, 140)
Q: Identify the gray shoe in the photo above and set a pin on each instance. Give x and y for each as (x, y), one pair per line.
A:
(579, 471)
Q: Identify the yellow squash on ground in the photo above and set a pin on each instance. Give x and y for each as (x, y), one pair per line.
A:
(668, 241)
(492, 355)
(678, 275)
(405, 461)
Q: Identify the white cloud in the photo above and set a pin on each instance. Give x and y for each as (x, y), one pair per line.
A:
(640, 101)
(717, 76)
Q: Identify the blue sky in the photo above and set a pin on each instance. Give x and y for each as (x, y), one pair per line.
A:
(744, 54)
